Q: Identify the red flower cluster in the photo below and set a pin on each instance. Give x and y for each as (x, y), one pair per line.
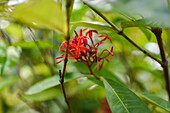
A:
(82, 48)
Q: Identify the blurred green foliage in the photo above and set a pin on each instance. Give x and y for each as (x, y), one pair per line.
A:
(33, 30)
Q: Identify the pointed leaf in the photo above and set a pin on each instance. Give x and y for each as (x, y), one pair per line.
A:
(155, 100)
(46, 84)
(44, 95)
(153, 12)
(94, 25)
(41, 14)
(123, 100)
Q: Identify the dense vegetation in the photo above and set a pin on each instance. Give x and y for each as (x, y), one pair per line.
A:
(116, 59)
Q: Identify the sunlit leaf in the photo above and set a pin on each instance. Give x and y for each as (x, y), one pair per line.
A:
(32, 45)
(94, 25)
(44, 95)
(15, 31)
(46, 84)
(141, 26)
(155, 100)
(146, 32)
(122, 100)
(127, 24)
(41, 14)
(153, 12)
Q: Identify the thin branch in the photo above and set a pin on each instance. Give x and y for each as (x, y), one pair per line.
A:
(144, 51)
(64, 92)
(67, 37)
(128, 17)
(120, 32)
(158, 34)
(101, 15)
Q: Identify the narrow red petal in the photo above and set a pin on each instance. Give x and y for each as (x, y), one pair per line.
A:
(110, 52)
(106, 35)
(107, 60)
(101, 65)
(83, 48)
(102, 36)
(74, 45)
(85, 41)
(80, 32)
(85, 29)
(59, 61)
(78, 52)
(97, 63)
(75, 33)
(60, 48)
(79, 43)
(60, 56)
(109, 39)
(90, 34)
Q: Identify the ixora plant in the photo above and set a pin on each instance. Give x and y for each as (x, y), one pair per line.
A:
(38, 36)
(83, 48)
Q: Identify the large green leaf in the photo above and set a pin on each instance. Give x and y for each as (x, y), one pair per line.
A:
(32, 45)
(155, 100)
(153, 12)
(44, 95)
(41, 14)
(46, 84)
(127, 24)
(123, 100)
(94, 25)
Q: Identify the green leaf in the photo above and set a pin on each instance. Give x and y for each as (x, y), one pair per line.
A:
(78, 14)
(126, 24)
(153, 12)
(146, 32)
(94, 25)
(43, 85)
(15, 31)
(32, 45)
(3, 58)
(41, 14)
(8, 81)
(46, 84)
(44, 95)
(123, 100)
(155, 100)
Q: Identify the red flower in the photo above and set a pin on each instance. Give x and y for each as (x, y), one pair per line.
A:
(82, 51)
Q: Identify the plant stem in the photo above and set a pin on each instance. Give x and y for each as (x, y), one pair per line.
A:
(67, 37)
(120, 32)
(91, 72)
(137, 46)
(101, 15)
(64, 93)
(158, 34)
